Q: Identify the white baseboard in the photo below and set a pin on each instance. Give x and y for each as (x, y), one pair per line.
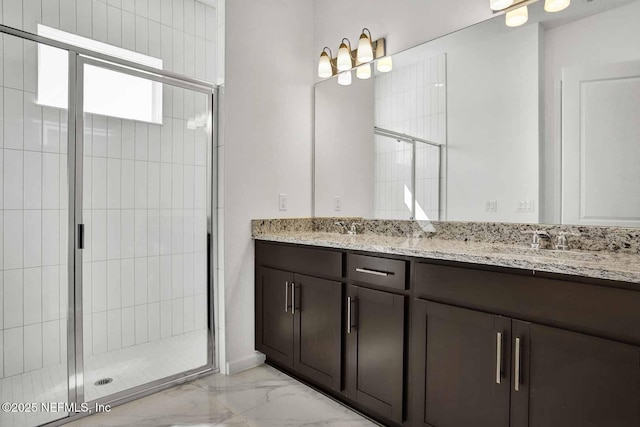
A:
(239, 365)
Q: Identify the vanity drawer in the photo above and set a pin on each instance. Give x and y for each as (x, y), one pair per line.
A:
(378, 271)
(299, 259)
(593, 309)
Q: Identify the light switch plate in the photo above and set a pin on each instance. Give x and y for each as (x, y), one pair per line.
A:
(491, 206)
(337, 203)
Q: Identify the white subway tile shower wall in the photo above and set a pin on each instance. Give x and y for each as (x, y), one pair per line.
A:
(33, 192)
(411, 100)
(183, 33)
(34, 203)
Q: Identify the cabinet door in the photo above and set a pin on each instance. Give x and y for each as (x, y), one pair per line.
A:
(375, 351)
(274, 315)
(317, 338)
(569, 379)
(460, 367)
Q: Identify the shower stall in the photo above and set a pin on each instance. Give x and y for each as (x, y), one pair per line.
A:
(108, 228)
(408, 177)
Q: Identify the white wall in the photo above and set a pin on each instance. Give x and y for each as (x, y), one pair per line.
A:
(492, 122)
(270, 66)
(404, 23)
(611, 36)
(344, 148)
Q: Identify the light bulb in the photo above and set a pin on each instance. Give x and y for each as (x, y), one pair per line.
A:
(384, 65)
(344, 58)
(500, 4)
(325, 69)
(517, 17)
(556, 5)
(365, 49)
(363, 71)
(344, 79)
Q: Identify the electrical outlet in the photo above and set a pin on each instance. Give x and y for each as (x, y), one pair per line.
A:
(491, 206)
(282, 202)
(337, 203)
(526, 206)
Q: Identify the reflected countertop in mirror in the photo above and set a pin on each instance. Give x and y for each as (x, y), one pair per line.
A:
(534, 124)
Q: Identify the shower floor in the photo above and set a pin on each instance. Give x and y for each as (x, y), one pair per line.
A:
(129, 367)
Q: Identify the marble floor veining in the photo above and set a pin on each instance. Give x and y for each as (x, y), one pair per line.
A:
(259, 397)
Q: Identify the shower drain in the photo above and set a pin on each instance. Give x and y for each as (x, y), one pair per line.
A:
(104, 381)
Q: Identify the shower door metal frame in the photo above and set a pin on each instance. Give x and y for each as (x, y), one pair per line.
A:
(78, 58)
(413, 141)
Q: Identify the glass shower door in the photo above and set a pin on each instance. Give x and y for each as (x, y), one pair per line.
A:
(34, 218)
(145, 208)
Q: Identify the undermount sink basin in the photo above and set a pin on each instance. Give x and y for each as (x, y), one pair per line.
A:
(546, 253)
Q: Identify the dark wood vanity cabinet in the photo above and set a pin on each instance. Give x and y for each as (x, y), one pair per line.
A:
(571, 379)
(375, 350)
(475, 368)
(298, 317)
(462, 346)
(461, 367)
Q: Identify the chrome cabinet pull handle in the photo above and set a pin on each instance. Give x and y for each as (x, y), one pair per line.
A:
(374, 272)
(286, 297)
(348, 315)
(293, 298)
(498, 357)
(517, 368)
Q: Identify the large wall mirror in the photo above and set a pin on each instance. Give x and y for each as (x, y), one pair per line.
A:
(534, 124)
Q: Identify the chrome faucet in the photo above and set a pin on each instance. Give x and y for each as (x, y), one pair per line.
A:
(354, 228)
(344, 229)
(562, 243)
(537, 236)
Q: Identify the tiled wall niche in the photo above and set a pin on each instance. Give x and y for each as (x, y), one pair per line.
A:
(33, 282)
(411, 100)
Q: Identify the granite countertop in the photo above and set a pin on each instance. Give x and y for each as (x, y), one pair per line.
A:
(623, 267)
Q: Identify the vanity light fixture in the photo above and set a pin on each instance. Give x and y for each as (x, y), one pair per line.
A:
(384, 65)
(500, 4)
(325, 65)
(517, 17)
(556, 5)
(347, 59)
(344, 78)
(363, 71)
(517, 12)
(365, 48)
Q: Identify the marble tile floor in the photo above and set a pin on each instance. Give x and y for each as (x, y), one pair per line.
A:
(259, 397)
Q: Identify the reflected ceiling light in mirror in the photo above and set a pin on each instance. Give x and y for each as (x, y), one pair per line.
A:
(517, 17)
(384, 65)
(365, 47)
(556, 5)
(325, 67)
(363, 71)
(500, 4)
(344, 79)
(345, 61)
